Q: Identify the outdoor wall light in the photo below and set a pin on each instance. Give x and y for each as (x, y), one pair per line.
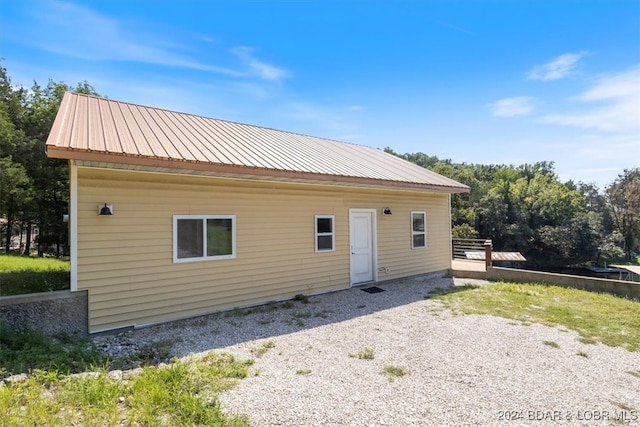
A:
(386, 211)
(105, 210)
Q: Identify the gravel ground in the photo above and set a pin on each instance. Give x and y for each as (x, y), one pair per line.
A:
(458, 370)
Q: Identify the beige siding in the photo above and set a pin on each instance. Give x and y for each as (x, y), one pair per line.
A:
(126, 260)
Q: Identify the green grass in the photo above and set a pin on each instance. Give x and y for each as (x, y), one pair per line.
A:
(394, 371)
(551, 344)
(23, 351)
(266, 346)
(24, 275)
(366, 353)
(182, 393)
(68, 384)
(603, 318)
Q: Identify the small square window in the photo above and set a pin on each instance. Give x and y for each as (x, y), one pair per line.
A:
(418, 230)
(325, 235)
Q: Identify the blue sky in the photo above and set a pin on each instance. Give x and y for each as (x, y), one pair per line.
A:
(503, 82)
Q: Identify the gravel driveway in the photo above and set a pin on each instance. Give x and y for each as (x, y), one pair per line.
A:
(323, 364)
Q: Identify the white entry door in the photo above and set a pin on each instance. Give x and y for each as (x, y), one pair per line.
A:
(362, 230)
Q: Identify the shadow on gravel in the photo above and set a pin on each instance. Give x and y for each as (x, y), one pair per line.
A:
(223, 329)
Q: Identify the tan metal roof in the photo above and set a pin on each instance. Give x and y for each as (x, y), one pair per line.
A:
(102, 130)
(632, 268)
(495, 256)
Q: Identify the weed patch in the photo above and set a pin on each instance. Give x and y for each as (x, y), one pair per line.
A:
(302, 298)
(24, 350)
(551, 344)
(366, 353)
(259, 351)
(393, 372)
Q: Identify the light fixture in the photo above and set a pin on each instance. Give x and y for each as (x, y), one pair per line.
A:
(105, 210)
(386, 211)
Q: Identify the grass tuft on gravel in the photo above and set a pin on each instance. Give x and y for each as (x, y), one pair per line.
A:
(366, 353)
(603, 318)
(259, 351)
(394, 371)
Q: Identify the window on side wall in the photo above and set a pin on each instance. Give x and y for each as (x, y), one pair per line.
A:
(418, 230)
(203, 237)
(325, 233)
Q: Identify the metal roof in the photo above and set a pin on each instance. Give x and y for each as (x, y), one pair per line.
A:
(93, 129)
(632, 268)
(495, 256)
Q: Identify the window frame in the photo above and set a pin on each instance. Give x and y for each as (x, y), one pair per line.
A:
(205, 257)
(418, 233)
(332, 233)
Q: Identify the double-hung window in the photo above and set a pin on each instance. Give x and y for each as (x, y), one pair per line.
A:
(325, 233)
(203, 237)
(418, 230)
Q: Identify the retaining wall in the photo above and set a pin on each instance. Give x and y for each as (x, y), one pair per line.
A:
(616, 287)
(53, 313)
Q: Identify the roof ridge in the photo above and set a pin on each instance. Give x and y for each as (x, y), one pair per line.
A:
(220, 120)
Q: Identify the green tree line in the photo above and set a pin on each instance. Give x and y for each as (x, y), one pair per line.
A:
(34, 190)
(528, 209)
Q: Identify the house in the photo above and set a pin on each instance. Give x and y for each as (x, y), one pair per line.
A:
(208, 215)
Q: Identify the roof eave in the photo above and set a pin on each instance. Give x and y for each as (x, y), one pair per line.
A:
(226, 169)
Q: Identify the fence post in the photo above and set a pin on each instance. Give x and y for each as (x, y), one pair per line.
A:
(487, 253)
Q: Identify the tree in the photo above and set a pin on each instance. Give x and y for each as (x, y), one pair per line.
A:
(623, 199)
(526, 209)
(464, 231)
(15, 194)
(26, 118)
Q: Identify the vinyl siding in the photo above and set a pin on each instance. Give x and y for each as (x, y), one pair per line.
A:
(125, 261)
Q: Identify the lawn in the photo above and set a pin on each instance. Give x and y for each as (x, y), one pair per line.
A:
(25, 275)
(611, 320)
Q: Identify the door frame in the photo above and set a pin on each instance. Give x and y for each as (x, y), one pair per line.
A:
(374, 243)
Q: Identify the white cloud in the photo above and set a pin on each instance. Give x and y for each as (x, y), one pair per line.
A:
(612, 104)
(355, 108)
(262, 69)
(510, 107)
(559, 68)
(80, 32)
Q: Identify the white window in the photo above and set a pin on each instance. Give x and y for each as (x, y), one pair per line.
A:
(418, 230)
(325, 234)
(203, 237)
